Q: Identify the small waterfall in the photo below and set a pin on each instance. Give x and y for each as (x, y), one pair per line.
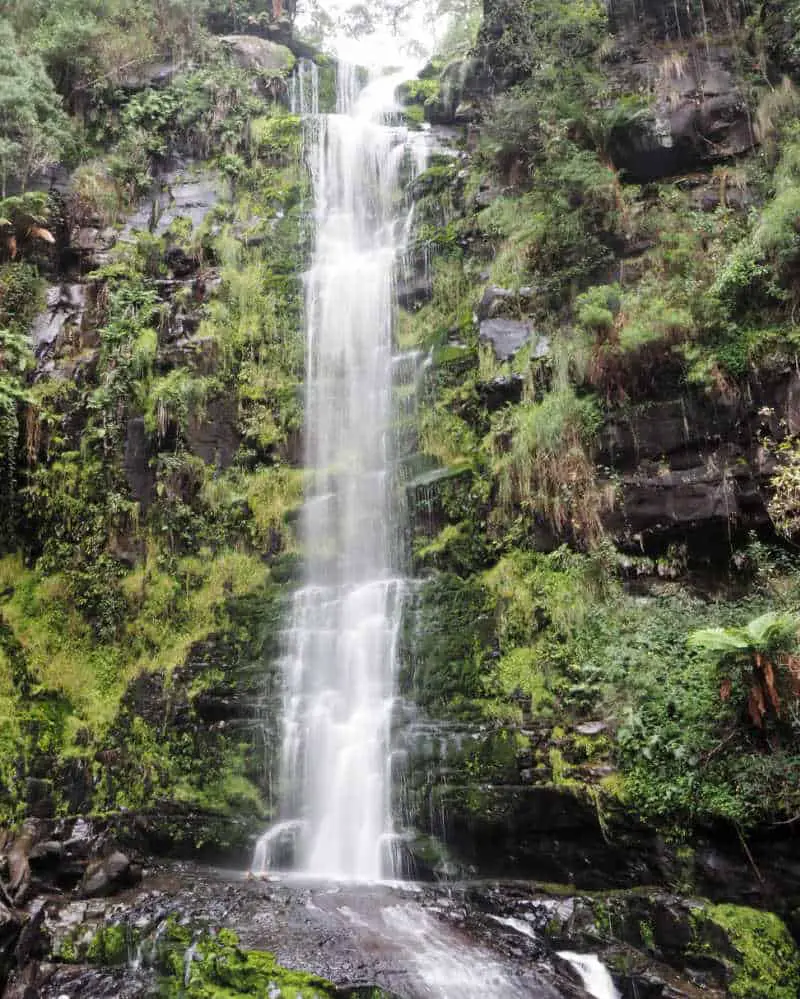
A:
(341, 643)
(304, 89)
(594, 974)
(449, 967)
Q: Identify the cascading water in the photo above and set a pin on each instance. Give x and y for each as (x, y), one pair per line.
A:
(339, 664)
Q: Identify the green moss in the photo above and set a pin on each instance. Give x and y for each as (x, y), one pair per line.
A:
(646, 933)
(67, 950)
(763, 958)
(220, 969)
(111, 945)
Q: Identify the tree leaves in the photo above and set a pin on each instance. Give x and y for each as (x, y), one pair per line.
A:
(756, 646)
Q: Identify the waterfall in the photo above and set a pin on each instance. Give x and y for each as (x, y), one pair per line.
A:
(339, 663)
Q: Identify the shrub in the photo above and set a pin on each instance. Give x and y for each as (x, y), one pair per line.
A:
(543, 465)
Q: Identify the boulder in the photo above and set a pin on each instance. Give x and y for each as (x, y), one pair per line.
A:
(508, 336)
(497, 301)
(104, 877)
(259, 54)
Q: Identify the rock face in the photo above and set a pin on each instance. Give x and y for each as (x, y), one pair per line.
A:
(699, 116)
(695, 470)
(252, 52)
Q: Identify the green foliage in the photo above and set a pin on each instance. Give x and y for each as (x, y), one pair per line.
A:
(765, 635)
(784, 506)
(543, 465)
(110, 946)
(33, 126)
(552, 30)
(447, 631)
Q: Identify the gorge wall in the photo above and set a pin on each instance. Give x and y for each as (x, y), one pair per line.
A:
(604, 281)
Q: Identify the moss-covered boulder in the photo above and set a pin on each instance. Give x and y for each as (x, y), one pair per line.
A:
(761, 959)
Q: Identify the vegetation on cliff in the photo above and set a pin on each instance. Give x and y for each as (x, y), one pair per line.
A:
(147, 469)
(642, 269)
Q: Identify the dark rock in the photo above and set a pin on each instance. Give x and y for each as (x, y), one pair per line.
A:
(151, 74)
(197, 353)
(91, 245)
(104, 877)
(179, 262)
(140, 476)
(700, 116)
(46, 854)
(214, 437)
(10, 928)
(494, 302)
(463, 85)
(32, 941)
(501, 391)
(39, 798)
(413, 291)
(183, 193)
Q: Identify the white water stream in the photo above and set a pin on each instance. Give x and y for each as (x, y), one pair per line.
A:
(340, 646)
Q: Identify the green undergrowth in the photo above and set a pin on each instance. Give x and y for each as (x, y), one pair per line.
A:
(674, 288)
(554, 639)
(112, 571)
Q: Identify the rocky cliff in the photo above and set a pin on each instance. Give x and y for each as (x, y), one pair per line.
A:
(603, 288)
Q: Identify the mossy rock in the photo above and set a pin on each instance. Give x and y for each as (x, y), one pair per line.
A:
(762, 959)
(110, 946)
(220, 969)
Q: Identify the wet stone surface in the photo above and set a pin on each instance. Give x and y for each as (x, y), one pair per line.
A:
(407, 940)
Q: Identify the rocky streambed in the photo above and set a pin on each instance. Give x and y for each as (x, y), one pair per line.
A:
(194, 931)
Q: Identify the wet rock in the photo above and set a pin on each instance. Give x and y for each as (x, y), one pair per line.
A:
(197, 353)
(151, 74)
(259, 54)
(463, 84)
(214, 437)
(183, 193)
(10, 927)
(413, 291)
(139, 474)
(63, 315)
(92, 246)
(501, 391)
(19, 871)
(32, 941)
(591, 728)
(508, 336)
(179, 262)
(104, 877)
(700, 116)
